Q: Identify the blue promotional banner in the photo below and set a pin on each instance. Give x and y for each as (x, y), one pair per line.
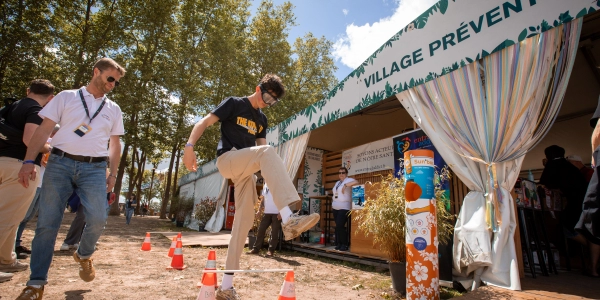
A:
(413, 140)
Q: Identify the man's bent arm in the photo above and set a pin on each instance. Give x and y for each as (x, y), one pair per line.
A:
(189, 156)
(201, 126)
(596, 137)
(39, 138)
(114, 154)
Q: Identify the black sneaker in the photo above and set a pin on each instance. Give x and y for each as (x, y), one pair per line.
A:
(22, 249)
(21, 255)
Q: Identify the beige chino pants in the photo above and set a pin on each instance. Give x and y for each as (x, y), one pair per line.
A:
(14, 202)
(240, 166)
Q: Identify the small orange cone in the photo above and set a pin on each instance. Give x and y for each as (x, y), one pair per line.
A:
(177, 261)
(322, 240)
(146, 245)
(207, 292)
(179, 236)
(288, 289)
(173, 245)
(211, 264)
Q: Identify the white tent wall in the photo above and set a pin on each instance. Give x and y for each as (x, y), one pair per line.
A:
(206, 188)
(186, 190)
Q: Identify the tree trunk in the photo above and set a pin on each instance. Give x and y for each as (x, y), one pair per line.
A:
(114, 209)
(139, 178)
(175, 183)
(166, 198)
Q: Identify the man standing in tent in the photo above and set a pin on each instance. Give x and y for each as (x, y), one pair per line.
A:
(589, 222)
(243, 151)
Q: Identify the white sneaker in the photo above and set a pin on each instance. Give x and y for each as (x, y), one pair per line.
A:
(298, 224)
(74, 246)
(64, 247)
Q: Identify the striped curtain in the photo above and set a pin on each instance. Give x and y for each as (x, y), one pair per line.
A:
(483, 118)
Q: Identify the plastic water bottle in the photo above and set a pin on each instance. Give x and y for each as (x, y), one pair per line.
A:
(530, 176)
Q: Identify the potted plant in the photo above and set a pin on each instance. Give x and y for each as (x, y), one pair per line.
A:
(384, 218)
(204, 210)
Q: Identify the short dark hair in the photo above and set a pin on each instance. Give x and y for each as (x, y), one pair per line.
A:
(272, 82)
(343, 168)
(554, 151)
(41, 87)
(106, 63)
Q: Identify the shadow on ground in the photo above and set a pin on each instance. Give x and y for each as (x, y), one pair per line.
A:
(76, 294)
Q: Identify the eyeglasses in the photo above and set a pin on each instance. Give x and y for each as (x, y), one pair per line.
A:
(268, 99)
(112, 79)
(342, 173)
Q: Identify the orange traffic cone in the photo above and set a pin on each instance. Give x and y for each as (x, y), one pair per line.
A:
(211, 264)
(207, 292)
(322, 240)
(177, 261)
(146, 245)
(179, 236)
(172, 249)
(288, 289)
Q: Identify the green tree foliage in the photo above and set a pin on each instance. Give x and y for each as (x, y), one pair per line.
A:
(25, 32)
(183, 57)
(310, 77)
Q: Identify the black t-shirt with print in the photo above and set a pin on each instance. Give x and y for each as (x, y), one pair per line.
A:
(241, 124)
(23, 111)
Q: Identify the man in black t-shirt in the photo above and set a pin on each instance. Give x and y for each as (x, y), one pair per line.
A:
(243, 151)
(23, 115)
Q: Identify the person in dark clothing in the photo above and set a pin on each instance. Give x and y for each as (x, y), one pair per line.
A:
(22, 116)
(560, 174)
(589, 222)
(129, 208)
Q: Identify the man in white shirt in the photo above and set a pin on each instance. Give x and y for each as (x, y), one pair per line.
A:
(271, 218)
(78, 162)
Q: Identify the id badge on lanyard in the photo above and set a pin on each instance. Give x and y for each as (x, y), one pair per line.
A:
(83, 129)
(335, 193)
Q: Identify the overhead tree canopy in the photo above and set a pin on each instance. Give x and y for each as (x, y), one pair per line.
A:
(183, 57)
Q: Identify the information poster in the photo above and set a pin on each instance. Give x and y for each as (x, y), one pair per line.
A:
(413, 140)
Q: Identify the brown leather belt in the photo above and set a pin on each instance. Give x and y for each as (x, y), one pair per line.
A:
(88, 159)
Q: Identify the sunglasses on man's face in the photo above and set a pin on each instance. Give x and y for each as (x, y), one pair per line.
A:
(268, 99)
(342, 173)
(112, 79)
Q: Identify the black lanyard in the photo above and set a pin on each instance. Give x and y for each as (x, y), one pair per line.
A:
(338, 184)
(87, 112)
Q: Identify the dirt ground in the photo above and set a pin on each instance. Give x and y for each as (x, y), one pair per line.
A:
(124, 272)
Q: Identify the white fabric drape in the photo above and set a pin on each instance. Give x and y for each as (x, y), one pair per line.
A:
(215, 223)
(292, 152)
(482, 119)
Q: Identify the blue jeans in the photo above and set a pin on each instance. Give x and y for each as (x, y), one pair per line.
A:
(128, 214)
(64, 176)
(76, 228)
(33, 209)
